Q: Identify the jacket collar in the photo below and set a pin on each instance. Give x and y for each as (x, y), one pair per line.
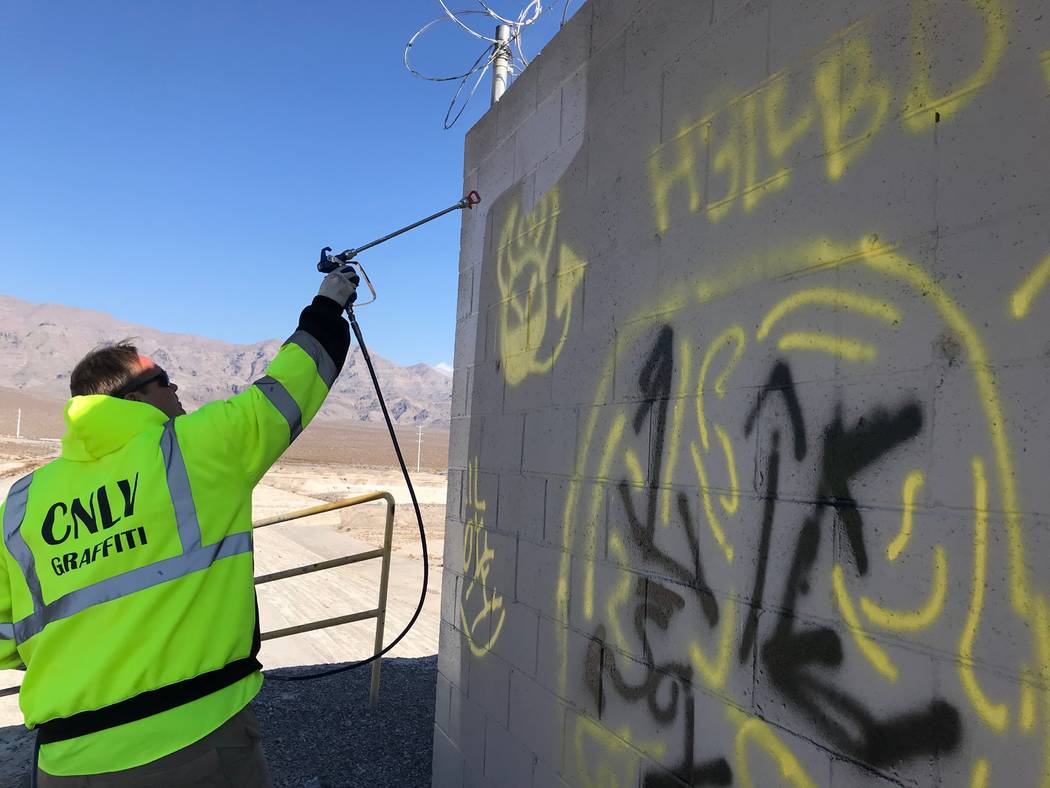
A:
(97, 425)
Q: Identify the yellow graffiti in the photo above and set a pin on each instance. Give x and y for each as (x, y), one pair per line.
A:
(683, 170)
(840, 347)
(753, 730)
(919, 113)
(620, 595)
(875, 655)
(1041, 624)
(1021, 300)
(1044, 58)
(610, 771)
(686, 354)
(916, 620)
(896, 266)
(714, 671)
(828, 296)
(709, 509)
(732, 501)
(477, 559)
(994, 714)
(912, 484)
(561, 595)
(1026, 710)
(734, 334)
(841, 103)
(780, 139)
(979, 776)
(530, 263)
(615, 434)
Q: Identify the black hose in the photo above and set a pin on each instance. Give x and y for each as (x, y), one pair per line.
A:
(419, 519)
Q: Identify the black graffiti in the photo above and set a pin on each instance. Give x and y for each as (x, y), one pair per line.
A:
(655, 385)
(747, 641)
(801, 660)
(794, 655)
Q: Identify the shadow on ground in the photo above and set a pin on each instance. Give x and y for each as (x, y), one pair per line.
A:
(321, 733)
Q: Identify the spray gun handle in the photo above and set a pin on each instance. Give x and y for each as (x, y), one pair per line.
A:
(330, 262)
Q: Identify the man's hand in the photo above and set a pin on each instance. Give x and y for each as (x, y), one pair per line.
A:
(341, 286)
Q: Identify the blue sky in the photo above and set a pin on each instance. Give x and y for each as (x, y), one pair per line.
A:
(180, 164)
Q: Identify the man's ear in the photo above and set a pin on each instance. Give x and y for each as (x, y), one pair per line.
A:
(134, 396)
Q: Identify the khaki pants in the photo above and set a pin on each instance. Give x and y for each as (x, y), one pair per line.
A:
(228, 757)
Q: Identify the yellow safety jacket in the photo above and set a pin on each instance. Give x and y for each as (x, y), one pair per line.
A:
(126, 585)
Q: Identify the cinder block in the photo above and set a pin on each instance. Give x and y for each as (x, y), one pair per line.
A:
(501, 445)
(566, 169)
(464, 305)
(576, 517)
(540, 571)
(459, 434)
(730, 59)
(461, 392)
(516, 638)
(442, 700)
(521, 505)
(454, 495)
(467, 351)
(507, 762)
(545, 775)
(467, 732)
(488, 389)
(490, 685)
(517, 103)
(496, 171)
(586, 360)
(450, 656)
(537, 719)
(539, 136)
(979, 154)
(550, 441)
(598, 751)
(660, 33)
(479, 141)
(574, 105)
(449, 596)
(797, 33)
(448, 763)
(565, 53)
(610, 17)
(569, 665)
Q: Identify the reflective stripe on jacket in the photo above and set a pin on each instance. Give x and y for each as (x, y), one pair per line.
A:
(128, 563)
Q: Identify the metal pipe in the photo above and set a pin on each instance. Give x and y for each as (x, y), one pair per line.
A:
(328, 622)
(384, 577)
(324, 507)
(500, 61)
(321, 565)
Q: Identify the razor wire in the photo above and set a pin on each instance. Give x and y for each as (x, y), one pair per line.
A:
(513, 50)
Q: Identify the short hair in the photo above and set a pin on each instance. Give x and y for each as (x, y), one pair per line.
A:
(105, 369)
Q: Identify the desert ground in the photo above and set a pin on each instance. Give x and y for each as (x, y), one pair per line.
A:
(329, 462)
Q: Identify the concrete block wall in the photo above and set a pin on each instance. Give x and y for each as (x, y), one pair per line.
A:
(748, 456)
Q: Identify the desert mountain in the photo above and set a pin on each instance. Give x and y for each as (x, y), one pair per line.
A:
(40, 343)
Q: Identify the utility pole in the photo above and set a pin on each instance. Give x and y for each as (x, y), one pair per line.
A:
(18, 425)
(419, 447)
(500, 69)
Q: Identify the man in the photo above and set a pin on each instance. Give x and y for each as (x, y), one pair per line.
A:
(126, 575)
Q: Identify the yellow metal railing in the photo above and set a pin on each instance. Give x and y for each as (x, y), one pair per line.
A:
(379, 612)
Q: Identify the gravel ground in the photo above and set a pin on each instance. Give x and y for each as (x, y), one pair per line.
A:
(322, 733)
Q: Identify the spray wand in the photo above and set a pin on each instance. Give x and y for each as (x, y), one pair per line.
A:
(327, 264)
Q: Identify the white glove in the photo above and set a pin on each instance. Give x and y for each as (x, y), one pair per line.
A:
(341, 286)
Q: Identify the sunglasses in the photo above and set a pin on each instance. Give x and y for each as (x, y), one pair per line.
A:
(141, 381)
